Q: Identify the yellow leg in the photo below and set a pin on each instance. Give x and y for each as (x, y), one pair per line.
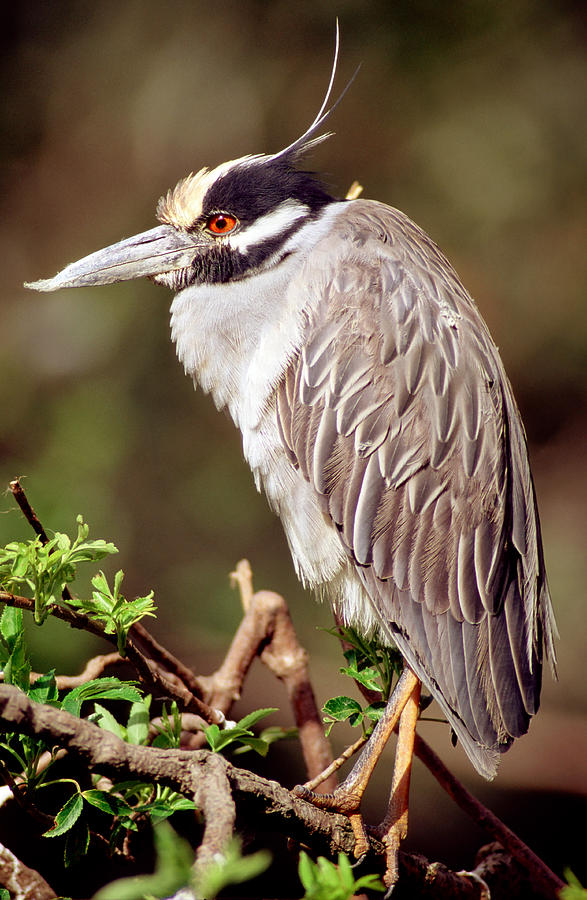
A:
(347, 797)
(394, 827)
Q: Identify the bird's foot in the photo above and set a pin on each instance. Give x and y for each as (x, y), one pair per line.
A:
(345, 800)
(391, 838)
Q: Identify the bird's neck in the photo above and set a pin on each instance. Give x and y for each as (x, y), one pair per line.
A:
(236, 339)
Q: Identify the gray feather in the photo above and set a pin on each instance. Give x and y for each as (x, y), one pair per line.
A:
(415, 444)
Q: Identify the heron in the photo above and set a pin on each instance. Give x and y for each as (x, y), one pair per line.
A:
(377, 417)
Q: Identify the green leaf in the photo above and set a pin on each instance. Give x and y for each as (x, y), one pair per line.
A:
(77, 841)
(137, 727)
(238, 733)
(115, 612)
(100, 689)
(169, 731)
(212, 733)
(67, 816)
(180, 804)
(368, 677)
(253, 743)
(375, 710)
(306, 872)
(342, 708)
(134, 788)
(103, 718)
(369, 883)
(11, 625)
(268, 736)
(253, 717)
(574, 890)
(323, 880)
(44, 689)
(232, 868)
(174, 858)
(107, 802)
(15, 659)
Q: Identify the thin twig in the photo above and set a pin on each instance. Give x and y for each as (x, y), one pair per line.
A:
(337, 763)
(27, 510)
(33, 520)
(242, 577)
(94, 668)
(155, 665)
(160, 654)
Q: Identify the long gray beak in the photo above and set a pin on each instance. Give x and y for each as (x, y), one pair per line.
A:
(153, 252)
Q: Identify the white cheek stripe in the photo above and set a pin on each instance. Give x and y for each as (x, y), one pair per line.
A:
(275, 222)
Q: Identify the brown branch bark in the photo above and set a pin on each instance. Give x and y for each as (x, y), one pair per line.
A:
(27, 510)
(544, 878)
(94, 668)
(266, 630)
(214, 798)
(22, 882)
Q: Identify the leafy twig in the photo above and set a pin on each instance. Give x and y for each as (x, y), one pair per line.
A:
(154, 678)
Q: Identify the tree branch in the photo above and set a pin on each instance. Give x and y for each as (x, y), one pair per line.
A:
(266, 630)
(544, 878)
(204, 775)
(22, 883)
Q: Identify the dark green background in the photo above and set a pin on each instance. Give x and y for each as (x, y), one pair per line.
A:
(466, 115)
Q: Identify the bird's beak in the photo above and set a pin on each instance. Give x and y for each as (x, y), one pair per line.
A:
(153, 252)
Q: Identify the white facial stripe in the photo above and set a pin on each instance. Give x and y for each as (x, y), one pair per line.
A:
(275, 222)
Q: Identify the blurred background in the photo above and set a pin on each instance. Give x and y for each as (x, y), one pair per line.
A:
(468, 116)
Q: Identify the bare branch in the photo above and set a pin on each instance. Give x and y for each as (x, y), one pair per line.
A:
(213, 796)
(27, 510)
(22, 883)
(179, 769)
(544, 877)
(94, 668)
(257, 799)
(337, 763)
(267, 630)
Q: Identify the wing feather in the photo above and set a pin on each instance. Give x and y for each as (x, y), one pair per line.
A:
(399, 413)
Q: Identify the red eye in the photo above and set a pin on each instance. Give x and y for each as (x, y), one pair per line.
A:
(221, 223)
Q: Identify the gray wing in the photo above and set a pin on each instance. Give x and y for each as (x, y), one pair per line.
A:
(399, 413)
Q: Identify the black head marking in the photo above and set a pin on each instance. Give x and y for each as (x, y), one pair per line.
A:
(251, 190)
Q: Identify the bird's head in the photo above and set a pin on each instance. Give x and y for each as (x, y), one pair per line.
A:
(218, 225)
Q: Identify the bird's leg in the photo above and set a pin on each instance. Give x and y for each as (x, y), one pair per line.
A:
(347, 797)
(394, 827)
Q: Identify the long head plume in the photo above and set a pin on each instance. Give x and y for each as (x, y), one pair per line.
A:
(307, 140)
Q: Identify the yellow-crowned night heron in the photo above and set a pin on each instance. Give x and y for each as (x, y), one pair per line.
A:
(376, 415)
